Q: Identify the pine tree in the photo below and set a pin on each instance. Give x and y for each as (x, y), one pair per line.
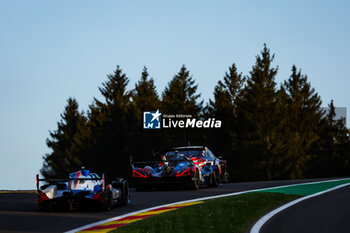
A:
(109, 122)
(224, 107)
(304, 114)
(66, 143)
(331, 151)
(260, 119)
(145, 95)
(145, 98)
(180, 97)
(227, 92)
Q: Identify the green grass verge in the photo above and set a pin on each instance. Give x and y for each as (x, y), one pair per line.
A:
(228, 214)
(307, 189)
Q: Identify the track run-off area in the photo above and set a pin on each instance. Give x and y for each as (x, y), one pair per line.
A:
(19, 213)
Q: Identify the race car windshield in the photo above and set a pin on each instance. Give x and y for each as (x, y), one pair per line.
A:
(188, 153)
(170, 155)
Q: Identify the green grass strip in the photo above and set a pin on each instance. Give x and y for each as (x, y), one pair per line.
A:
(307, 189)
(228, 214)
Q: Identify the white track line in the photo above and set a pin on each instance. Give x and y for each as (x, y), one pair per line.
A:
(258, 225)
(192, 200)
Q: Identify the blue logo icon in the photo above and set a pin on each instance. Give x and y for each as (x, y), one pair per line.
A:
(151, 120)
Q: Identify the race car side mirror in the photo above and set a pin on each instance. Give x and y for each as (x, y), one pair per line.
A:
(37, 181)
(103, 182)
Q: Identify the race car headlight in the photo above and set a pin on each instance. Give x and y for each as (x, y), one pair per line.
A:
(138, 174)
(98, 196)
(42, 197)
(186, 172)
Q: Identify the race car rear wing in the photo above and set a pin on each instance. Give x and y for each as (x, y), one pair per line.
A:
(145, 162)
(68, 179)
(160, 162)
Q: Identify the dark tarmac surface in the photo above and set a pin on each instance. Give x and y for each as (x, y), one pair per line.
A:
(327, 213)
(19, 212)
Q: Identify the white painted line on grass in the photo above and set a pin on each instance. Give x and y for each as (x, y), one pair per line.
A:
(193, 200)
(258, 225)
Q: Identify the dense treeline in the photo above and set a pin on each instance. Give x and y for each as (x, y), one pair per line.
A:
(269, 131)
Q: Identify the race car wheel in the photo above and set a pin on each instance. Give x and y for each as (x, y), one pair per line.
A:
(214, 178)
(70, 206)
(195, 179)
(124, 193)
(107, 204)
(226, 178)
(123, 186)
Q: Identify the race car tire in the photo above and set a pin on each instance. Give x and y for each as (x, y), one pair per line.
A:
(195, 180)
(214, 178)
(123, 186)
(70, 206)
(225, 175)
(226, 178)
(107, 204)
(124, 198)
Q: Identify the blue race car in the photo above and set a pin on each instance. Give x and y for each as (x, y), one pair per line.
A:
(189, 166)
(82, 188)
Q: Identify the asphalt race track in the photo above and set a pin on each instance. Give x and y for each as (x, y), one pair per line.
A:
(19, 212)
(329, 212)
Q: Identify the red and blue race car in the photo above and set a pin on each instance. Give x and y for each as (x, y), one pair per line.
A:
(189, 166)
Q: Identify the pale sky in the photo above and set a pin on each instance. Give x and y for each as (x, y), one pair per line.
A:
(51, 50)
